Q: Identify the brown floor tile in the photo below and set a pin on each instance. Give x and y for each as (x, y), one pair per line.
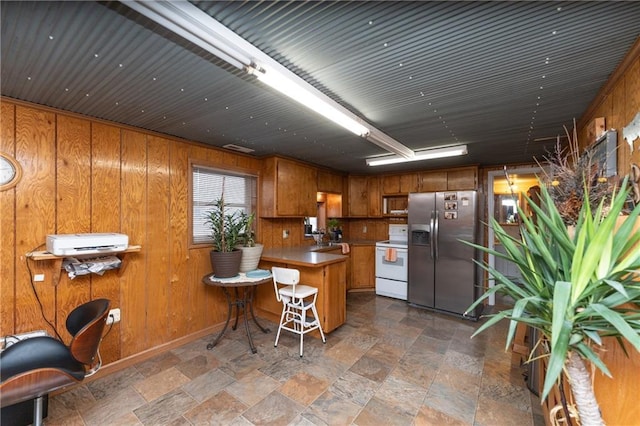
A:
(160, 383)
(428, 416)
(303, 388)
(371, 368)
(378, 412)
(331, 409)
(253, 387)
(220, 409)
(276, 409)
(166, 409)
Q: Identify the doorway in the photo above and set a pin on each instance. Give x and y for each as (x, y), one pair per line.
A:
(505, 193)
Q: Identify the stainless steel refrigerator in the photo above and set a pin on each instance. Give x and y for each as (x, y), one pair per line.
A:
(442, 274)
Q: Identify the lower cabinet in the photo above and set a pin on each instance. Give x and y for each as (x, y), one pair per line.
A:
(332, 298)
(363, 269)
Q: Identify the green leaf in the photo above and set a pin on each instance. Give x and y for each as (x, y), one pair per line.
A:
(619, 323)
(557, 357)
(562, 293)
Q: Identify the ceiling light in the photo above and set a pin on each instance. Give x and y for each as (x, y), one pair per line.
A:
(302, 94)
(425, 154)
(196, 26)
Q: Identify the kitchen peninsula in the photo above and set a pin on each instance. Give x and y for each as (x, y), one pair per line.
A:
(326, 271)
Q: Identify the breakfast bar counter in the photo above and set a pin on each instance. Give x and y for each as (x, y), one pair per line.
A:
(325, 271)
(301, 256)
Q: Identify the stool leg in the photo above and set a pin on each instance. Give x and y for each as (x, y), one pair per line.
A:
(37, 411)
(280, 325)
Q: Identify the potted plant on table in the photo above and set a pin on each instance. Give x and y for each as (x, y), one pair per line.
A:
(251, 251)
(577, 286)
(226, 228)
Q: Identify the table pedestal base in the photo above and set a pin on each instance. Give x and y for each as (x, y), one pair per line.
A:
(240, 303)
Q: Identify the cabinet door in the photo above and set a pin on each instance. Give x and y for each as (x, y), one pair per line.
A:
(329, 182)
(362, 267)
(308, 188)
(296, 188)
(288, 188)
(334, 205)
(375, 197)
(408, 183)
(391, 184)
(358, 196)
(463, 179)
(432, 181)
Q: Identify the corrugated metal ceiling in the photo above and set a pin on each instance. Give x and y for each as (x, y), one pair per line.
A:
(494, 75)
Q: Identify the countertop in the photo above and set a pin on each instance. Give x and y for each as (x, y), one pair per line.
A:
(302, 256)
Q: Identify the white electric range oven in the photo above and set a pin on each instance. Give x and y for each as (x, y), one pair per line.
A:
(392, 258)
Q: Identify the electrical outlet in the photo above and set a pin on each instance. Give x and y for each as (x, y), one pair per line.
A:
(38, 278)
(364, 229)
(285, 233)
(114, 316)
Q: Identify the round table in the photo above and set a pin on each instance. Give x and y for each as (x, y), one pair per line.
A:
(248, 286)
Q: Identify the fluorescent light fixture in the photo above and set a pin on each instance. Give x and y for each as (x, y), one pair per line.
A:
(196, 26)
(425, 154)
(302, 94)
(387, 142)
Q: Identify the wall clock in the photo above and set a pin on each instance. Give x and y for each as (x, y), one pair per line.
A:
(10, 171)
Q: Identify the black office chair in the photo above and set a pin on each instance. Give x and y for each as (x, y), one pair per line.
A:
(32, 368)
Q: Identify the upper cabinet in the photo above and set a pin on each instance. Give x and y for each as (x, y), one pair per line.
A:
(364, 196)
(288, 189)
(400, 184)
(329, 182)
(462, 179)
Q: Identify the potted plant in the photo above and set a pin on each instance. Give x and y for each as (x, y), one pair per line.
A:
(251, 251)
(333, 225)
(226, 228)
(577, 286)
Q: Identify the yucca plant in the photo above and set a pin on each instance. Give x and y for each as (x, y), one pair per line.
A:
(575, 288)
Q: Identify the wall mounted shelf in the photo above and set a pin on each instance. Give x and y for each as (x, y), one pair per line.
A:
(45, 255)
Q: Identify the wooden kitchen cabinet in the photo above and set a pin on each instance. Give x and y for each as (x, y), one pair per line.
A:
(288, 189)
(375, 197)
(448, 180)
(432, 181)
(358, 194)
(363, 270)
(399, 184)
(462, 179)
(364, 196)
(329, 182)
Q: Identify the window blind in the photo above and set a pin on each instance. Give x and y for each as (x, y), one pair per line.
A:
(207, 186)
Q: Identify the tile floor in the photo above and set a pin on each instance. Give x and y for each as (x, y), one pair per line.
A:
(390, 364)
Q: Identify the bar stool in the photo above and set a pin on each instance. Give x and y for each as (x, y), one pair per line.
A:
(297, 300)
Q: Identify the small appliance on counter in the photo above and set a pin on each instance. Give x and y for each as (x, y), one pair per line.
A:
(392, 263)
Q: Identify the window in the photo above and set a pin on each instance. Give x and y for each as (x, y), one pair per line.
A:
(240, 193)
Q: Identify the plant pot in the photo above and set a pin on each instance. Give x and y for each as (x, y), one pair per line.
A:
(225, 264)
(250, 257)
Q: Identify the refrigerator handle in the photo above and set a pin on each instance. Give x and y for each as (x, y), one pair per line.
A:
(436, 231)
(431, 239)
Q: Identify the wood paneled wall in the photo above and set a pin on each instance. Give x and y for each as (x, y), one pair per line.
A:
(82, 175)
(618, 102)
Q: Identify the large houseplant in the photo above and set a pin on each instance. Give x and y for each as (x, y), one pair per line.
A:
(578, 256)
(226, 227)
(577, 286)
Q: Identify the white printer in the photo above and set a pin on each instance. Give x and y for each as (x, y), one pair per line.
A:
(86, 244)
